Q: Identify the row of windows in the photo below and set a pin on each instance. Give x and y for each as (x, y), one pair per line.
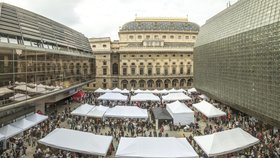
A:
(103, 45)
(150, 71)
(150, 64)
(166, 55)
(163, 37)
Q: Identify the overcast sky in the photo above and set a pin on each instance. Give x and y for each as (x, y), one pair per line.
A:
(102, 18)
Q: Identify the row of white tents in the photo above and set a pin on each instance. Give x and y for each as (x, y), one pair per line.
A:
(106, 112)
(215, 144)
(21, 125)
(164, 91)
(144, 97)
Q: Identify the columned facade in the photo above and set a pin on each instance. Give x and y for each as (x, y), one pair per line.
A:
(152, 53)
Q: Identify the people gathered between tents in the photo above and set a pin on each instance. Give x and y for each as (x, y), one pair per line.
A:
(189, 115)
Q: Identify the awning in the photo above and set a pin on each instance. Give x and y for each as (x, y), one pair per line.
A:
(77, 141)
(161, 114)
(175, 96)
(126, 112)
(4, 90)
(97, 111)
(19, 97)
(23, 124)
(225, 142)
(9, 131)
(82, 110)
(145, 97)
(99, 90)
(208, 109)
(192, 90)
(116, 90)
(155, 147)
(113, 96)
(37, 118)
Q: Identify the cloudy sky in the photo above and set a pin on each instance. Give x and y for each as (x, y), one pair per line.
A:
(102, 18)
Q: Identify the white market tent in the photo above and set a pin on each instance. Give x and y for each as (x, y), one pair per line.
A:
(180, 113)
(225, 142)
(9, 131)
(145, 97)
(97, 111)
(99, 90)
(4, 90)
(24, 88)
(125, 91)
(77, 141)
(155, 147)
(116, 90)
(37, 118)
(2, 137)
(192, 90)
(113, 96)
(203, 96)
(173, 90)
(127, 112)
(82, 110)
(175, 96)
(208, 109)
(23, 124)
(19, 97)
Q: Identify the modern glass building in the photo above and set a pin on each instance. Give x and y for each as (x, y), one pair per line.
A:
(237, 58)
(41, 61)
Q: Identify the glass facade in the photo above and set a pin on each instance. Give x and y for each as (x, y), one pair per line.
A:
(39, 56)
(242, 68)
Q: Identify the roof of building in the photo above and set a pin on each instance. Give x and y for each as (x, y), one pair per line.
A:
(160, 24)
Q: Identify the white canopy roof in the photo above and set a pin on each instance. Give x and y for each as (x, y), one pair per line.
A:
(97, 111)
(145, 97)
(24, 124)
(225, 142)
(24, 88)
(9, 131)
(82, 110)
(116, 90)
(2, 137)
(203, 96)
(19, 97)
(208, 109)
(173, 90)
(178, 107)
(113, 96)
(125, 91)
(175, 96)
(192, 90)
(155, 147)
(99, 90)
(180, 113)
(36, 118)
(77, 141)
(126, 112)
(4, 90)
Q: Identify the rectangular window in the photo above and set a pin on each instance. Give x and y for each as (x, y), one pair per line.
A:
(104, 71)
(181, 70)
(158, 70)
(188, 71)
(132, 71)
(173, 70)
(141, 71)
(150, 71)
(166, 71)
(124, 71)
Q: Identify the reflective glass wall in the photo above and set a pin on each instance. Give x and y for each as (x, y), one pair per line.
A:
(26, 74)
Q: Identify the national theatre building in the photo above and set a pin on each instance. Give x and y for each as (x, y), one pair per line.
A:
(151, 53)
(41, 62)
(237, 58)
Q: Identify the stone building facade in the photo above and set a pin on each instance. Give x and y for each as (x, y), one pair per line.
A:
(151, 53)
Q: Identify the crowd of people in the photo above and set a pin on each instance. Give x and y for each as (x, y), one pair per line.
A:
(269, 146)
